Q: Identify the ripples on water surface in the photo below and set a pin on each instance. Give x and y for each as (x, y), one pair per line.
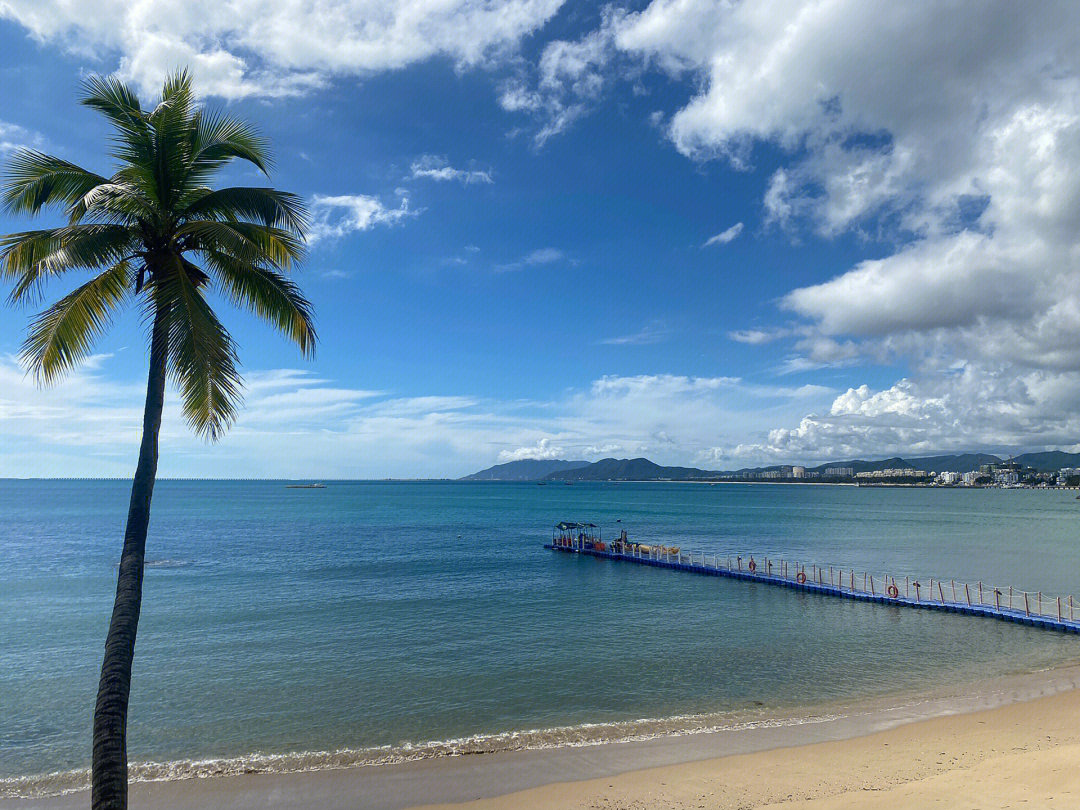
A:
(353, 618)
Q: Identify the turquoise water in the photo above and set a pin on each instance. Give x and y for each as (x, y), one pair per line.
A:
(279, 622)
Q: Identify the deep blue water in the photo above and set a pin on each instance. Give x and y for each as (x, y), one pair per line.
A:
(386, 614)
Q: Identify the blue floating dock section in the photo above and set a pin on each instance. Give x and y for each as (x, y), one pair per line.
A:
(678, 562)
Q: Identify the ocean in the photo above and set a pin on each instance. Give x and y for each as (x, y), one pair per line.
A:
(372, 622)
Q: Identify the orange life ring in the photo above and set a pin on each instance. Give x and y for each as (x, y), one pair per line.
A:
(752, 566)
(892, 591)
(801, 578)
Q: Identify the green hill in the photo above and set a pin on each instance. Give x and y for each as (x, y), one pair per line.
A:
(629, 469)
(1049, 461)
(528, 469)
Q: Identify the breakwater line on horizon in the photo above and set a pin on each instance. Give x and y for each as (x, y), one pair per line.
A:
(1004, 603)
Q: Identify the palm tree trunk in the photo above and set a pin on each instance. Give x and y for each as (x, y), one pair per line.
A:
(110, 713)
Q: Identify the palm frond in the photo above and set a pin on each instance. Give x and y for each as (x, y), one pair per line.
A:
(173, 126)
(269, 295)
(220, 138)
(34, 180)
(63, 335)
(114, 99)
(31, 257)
(116, 201)
(272, 208)
(177, 101)
(245, 241)
(202, 357)
(120, 104)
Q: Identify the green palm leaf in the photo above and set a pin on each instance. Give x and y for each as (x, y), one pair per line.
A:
(63, 335)
(36, 180)
(277, 209)
(32, 257)
(220, 138)
(202, 357)
(244, 241)
(268, 294)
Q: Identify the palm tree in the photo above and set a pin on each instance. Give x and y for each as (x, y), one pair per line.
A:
(153, 233)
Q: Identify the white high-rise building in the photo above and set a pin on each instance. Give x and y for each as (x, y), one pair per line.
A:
(798, 472)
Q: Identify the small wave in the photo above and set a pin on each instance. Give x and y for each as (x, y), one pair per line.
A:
(164, 563)
(168, 563)
(63, 782)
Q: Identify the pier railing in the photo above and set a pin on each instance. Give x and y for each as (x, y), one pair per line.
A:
(931, 592)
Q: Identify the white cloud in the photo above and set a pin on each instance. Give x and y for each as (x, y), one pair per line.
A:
(725, 236)
(240, 48)
(296, 423)
(655, 332)
(548, 255)
(13, 136)
(432, 167)
(543, 449)
(567, 80)
(349, 213)
(969, 408)
(757, 337)
(950, 138)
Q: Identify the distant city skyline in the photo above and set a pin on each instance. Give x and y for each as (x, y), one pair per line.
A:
(718, 235)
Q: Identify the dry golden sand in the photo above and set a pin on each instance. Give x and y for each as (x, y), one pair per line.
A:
(1026, 755)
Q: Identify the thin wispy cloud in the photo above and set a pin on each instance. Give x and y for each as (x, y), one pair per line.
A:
(757, 337)
(726, 236)
(541, 256)
(656, 332)
(432, 167)
(13, 136)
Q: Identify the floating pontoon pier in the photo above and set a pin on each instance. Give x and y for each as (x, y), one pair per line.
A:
(1061, 613)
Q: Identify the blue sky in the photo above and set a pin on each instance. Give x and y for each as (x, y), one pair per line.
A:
(710, 234)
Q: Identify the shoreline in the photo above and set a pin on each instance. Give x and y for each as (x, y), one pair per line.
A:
(483, 777)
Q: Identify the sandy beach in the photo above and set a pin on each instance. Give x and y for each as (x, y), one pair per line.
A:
(1003, 743)
(1023, 755)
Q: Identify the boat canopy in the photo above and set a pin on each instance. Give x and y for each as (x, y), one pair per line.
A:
(573, 530)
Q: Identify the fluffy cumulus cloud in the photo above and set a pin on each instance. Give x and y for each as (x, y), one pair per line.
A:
(543, 450)
(953, 138)
(957, 411)
(337, 216)
(241, 48)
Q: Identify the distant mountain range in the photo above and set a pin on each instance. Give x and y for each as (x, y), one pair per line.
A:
(529, 469)
(641, 469)
(628, 469)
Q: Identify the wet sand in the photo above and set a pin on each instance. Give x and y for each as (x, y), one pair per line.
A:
(1005, 743)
